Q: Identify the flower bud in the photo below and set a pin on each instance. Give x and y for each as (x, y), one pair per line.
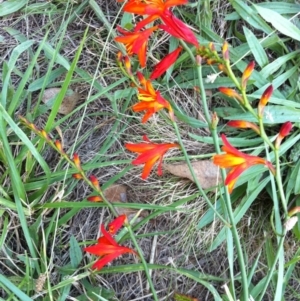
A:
(77, 176)
(59, 146)
(247, 73)
(244, 125)
(231, 93)
(225, 51)
(94, 198)
(76, 161)
(95, 182)
(264, 100)
(284, 131)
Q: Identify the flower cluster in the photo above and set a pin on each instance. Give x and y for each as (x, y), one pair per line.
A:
(233, 159)
(151, 101)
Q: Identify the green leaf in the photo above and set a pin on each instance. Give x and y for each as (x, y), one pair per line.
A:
(281, 7)
(275, 65)
(50, 52)
(283, 25)
(14, 289)
(11, 6)
(250, 16)
(75, 252)
(239, 142)
(272, 114)
(256, 48)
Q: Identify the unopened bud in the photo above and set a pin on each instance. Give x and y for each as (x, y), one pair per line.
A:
(231, 93)
(94, 198)
(77, 176)
(284, 131)
(247, 73)
(76, 161)
(95, 182)
(264, 100)
(214, 120)
(225, 51)
(244, 125)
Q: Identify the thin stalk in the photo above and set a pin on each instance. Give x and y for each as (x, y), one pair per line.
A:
(279, 182)
(234, 231)
(143, 261)
(271, 271)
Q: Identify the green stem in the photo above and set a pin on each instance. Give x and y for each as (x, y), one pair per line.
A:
(263, 134)
(227, 196)
(143, 261)
(279, 182)
(231, 74)
(271, 271)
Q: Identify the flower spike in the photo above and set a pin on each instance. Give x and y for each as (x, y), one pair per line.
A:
(238, 162)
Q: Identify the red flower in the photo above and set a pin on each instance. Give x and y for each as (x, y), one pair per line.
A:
(154, 8)
(165, 63)
(150, 100)
(107, 248)
(237, 161)
(136, 42)
(177, 28)
(150, 153)
(116, 224)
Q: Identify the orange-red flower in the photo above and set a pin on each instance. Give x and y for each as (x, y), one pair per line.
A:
(177, 28)
(150, 100)
(237, 161)
(107, 248)
(116, 224)
(136, 42)
(154, 8)
(165, 63)
(150, 153)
